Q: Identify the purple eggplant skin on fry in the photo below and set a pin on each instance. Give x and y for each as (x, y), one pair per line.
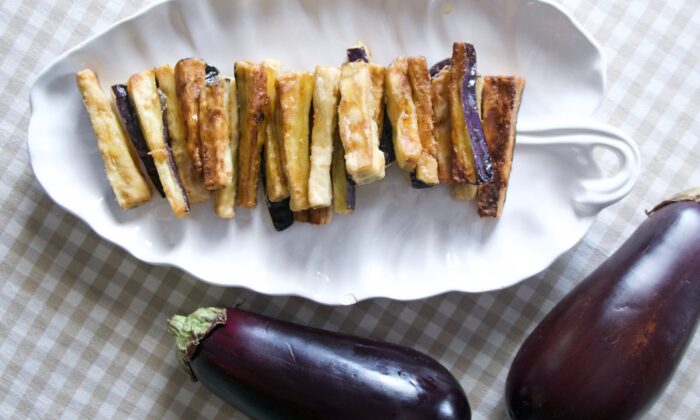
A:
(272, 369)
(281, 215)
(435, 69)
(471, 158)
(609, 348)
(127, 114)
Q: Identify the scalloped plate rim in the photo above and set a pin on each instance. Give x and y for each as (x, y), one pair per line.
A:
(292, 291)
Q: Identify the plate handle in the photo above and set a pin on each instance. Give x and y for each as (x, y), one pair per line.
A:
(587, 134)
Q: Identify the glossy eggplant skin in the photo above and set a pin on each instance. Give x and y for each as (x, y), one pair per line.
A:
(272, 369)
(608, 349)
(357, 53)
(280, 213)
(127, 114)
(211, 74)
(435, 69)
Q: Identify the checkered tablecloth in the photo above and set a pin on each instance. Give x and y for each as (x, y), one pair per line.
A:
(82, 324)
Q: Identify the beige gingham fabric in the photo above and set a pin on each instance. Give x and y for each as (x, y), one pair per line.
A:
(82, 323)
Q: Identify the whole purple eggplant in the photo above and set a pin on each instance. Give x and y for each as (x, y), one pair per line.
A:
(272, 369)
(609, 348)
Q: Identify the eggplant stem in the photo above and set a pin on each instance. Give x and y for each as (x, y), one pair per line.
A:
(692, 194)
(190, 330)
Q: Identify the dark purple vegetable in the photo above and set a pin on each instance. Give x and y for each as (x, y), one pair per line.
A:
(211, 74)
(609, 348)
(358, 53)
(127, 114)
(281, 214)
(350, 192)
(435, 69)
(386, 144)
(417, 183)
(480, 150)
(272, 369)
(168, 142)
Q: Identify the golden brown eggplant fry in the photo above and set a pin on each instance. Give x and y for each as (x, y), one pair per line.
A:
(339, 178)
(464, 192)
(427, 170)
(189, 80)
(143, 94)
(295, 92)
(191, 181)
(441, 124)
(147, 102)
(120, 162)
(215, 134)
(377, 74)
(325, 126)
(467, 192)
(318, 216)
(463, 169)
(358, 128)
(275, 180)
(500, 105)
(253, 102)
(426, 167)
(402, 114)
(172, 187)
(225, 198)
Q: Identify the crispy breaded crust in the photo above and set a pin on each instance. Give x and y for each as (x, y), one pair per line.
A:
(121, 167)
(253, 102)
(426, 169)
(215, 134)
(501, 102)
(357, 126)
(196, 193)
(225, 198)
(275, 180)
(149, 110)
(463, 167)
(295, 91)
(189, 80)
(325, 104)
(402, 114)
(440, 96)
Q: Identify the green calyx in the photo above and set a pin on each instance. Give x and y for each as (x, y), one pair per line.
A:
(190, 330)
(691, 195)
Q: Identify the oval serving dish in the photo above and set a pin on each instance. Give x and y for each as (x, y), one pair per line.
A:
(400, 243)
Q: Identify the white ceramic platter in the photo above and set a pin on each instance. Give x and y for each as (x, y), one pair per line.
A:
(401, 243)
